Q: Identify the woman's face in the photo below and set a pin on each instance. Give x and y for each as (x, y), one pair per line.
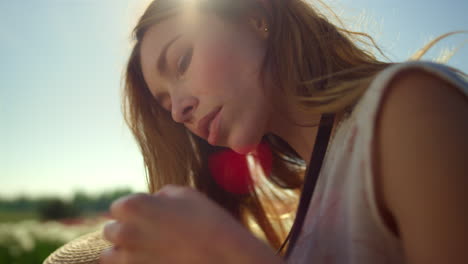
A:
(211, 64)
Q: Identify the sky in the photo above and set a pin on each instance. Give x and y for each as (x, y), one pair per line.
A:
(61, 125)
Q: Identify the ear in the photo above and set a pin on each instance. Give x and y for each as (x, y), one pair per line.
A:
(258, 18)
(259, 25)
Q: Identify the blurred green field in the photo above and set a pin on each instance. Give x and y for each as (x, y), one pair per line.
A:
(31, 241)
(38, 254)
(32, 228)
(6, 216)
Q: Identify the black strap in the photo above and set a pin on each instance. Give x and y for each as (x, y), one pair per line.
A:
(312, 172)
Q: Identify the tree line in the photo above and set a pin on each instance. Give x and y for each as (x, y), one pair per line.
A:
(52, 208)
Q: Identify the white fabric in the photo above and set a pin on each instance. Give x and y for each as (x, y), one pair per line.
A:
(343, 224)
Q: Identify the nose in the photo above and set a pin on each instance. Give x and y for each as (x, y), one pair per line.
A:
(183, 109)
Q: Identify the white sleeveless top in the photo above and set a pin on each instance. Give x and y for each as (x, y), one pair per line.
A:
(343, 223)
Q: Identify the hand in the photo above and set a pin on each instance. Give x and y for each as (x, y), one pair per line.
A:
(178, 225)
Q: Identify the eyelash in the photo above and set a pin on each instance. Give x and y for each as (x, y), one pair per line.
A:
(185, 60)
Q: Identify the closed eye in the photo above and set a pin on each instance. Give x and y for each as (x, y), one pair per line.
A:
(184, 62)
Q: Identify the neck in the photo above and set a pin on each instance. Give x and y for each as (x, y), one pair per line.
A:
(300, 138)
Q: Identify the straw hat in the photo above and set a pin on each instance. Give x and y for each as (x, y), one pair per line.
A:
(85, 249)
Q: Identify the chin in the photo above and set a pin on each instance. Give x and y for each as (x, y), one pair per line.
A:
(244, 140)
(245, 148)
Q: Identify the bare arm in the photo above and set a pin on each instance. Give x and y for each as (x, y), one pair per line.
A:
(422, 156)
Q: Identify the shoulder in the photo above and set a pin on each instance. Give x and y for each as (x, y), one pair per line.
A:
(420, 160)
(415, 92)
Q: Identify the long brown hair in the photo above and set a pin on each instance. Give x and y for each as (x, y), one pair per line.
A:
(318, 66)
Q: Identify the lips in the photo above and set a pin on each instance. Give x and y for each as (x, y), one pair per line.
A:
(203, 126)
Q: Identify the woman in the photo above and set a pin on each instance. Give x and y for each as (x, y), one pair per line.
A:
(210, 81)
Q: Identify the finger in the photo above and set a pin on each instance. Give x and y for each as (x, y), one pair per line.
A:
(171, 191)
(123, 234)
(112, 256)
(133, 208)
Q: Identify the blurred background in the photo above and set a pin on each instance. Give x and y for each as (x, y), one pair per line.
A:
(65, 152)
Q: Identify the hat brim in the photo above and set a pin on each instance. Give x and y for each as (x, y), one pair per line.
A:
(85, 249)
